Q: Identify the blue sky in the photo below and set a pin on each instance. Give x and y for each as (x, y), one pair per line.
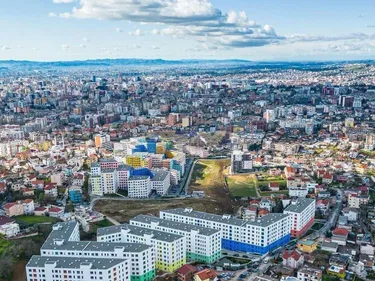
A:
(48, 30)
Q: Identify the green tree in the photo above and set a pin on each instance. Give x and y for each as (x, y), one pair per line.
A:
(41, 198)
(6, 267)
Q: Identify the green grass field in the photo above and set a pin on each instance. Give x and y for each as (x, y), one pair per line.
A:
(35, 219)
(242, 186)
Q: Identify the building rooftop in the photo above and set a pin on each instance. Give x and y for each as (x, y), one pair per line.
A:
(174, 225)
(160, 175)
(139, 231)
(299, 205)
(74, 263)
(138, 178)
(264, 221)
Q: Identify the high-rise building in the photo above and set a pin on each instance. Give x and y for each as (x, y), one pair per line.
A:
(202, 244)
(241, 162)
(259, 236)
(302, 213)
(170, 249)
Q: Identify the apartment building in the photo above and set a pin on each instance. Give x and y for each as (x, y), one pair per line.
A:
(241, 162)
(356, 200)
(202, 244)
(108, 176)
(170, 249)
(259, 236)
(64, 255)
(302, 213)
(161, 182)
(67, 268)
(139, 186)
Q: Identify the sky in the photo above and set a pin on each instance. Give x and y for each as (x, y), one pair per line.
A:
(257, 30)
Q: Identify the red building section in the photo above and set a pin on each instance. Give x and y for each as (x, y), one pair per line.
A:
(298, 233)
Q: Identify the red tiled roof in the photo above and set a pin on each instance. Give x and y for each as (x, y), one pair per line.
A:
(5, 220)
(293, 254)
(186, 269)
(40, 209)
(55, 210)
(207, 274)
(9, 205)
(274, 184)
(340, 231)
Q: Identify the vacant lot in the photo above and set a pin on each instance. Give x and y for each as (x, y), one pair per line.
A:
(242, 185)
(35, 219)
(123, 211)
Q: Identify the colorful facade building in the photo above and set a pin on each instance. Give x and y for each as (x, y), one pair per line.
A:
(302, 213)
(259, 236)
(170, 249)
(202, 244)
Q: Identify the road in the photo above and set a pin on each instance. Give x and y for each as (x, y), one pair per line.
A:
(331, 221)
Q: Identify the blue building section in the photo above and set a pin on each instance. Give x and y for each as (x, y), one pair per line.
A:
(151, 146)
(75, 196)
(249, 248)
(139, 148)
(176, 166)
(141, 172)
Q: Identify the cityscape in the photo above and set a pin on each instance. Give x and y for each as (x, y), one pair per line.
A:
(187, 140)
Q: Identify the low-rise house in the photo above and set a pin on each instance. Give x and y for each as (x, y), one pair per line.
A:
(250, 213)
(8, 227)
(51, 190)
(367, 249)
(329, 246)
(324, 194)
(309, 274)
(340, 236)
(28, 206)
(14, 209)
(40, 211)
(307, 246)
(323, 205)
(55, 212)
(37, 184)
(28, 192)
(350, 213)
(273, 186)
(3, 187)
(292, 259)
(205, 275)
(186, 272)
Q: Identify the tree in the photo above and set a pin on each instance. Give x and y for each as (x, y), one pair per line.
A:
(69, 207)
(6, 267)
(328, 234)
(28, 248)
(41, 198)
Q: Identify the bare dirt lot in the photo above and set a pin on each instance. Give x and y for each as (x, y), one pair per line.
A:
(123, 211)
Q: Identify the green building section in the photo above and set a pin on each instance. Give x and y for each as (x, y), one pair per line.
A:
(148, 276)
(202, 258)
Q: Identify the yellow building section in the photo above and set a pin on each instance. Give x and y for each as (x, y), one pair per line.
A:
(160, 148)
(167, 267)
(307, 246)
(169, 154)
(134, 161)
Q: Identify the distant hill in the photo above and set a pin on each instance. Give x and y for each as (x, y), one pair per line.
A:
(117, 62)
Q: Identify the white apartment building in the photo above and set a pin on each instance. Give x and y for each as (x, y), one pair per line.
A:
(356, 200)
(170, 249)
(67, 268)
(161, 182)
(302, 214)
(130, 261)
(309, 274)
(108, 179)
(202, 244)
(8, 227)
(260, 236)
(139, 186)
(298, 191)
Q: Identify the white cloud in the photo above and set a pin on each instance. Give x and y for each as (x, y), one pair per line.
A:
(155, 47)
(85, 39)
(65, 47)
(137, 32)
(5, 47)
(62, 1)
(82, 46)
(135, 46)
(119, 30)
(52, 15)
(65, 15)
(36, 49)
(193, 18)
